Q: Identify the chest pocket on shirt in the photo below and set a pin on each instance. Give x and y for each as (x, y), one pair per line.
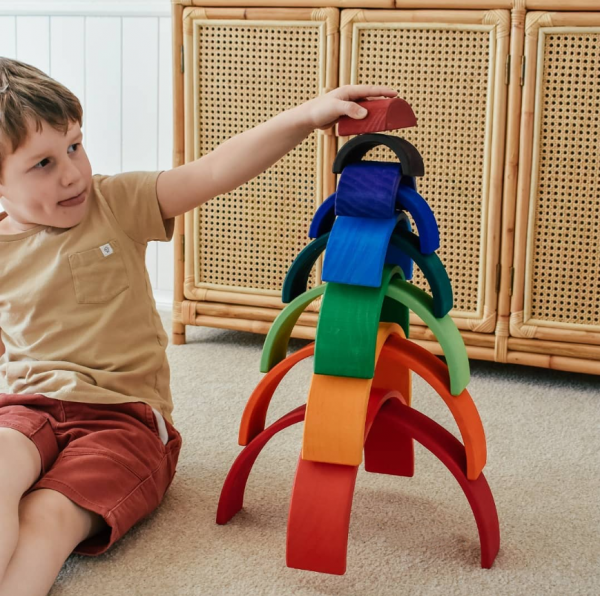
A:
(99, 274)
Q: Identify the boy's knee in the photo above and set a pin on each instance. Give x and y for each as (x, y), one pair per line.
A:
(20, 461)
(46, 508)
(52, 513)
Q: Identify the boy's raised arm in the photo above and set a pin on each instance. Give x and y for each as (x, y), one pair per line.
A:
(250, 153)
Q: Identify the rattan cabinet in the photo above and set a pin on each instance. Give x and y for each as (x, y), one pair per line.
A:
(507, 106)
(555, 302)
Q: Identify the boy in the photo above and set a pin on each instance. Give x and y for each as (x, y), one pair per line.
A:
(87, 444)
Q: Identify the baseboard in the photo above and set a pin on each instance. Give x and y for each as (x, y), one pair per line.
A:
(164, 300)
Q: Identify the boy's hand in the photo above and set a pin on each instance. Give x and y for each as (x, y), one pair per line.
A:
(323, 112)
(247, 154)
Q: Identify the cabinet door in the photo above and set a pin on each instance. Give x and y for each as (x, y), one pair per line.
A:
(556, 294)
(450, 67)
(242, 67)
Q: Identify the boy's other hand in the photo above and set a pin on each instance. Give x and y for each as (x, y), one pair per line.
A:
(324, 111)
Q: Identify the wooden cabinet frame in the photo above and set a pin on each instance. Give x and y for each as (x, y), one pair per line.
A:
(502, 332)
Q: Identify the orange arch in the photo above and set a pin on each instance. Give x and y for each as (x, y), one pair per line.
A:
(336, 411)
(255, 412)
(397, 354)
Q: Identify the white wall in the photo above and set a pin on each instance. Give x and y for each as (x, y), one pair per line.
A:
(116, 57)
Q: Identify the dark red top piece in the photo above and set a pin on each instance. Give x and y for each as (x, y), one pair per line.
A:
(384, 114)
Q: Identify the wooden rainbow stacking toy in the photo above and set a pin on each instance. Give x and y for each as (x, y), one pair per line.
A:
(360, 396)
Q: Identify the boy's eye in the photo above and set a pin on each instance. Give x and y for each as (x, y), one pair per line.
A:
(42, 164)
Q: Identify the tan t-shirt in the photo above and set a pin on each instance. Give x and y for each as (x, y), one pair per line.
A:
(77, 313)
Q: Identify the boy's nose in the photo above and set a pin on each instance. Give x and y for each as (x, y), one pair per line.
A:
(69, 174)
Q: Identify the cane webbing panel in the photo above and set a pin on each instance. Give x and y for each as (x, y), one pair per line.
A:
(563, 258)
(443, 74)
(247, 73)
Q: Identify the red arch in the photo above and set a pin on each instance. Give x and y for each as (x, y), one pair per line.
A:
(322, 496)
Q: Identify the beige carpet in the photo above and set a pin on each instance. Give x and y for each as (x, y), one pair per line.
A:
(408, 535)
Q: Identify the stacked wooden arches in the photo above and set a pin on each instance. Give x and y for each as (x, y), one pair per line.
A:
(360, 397)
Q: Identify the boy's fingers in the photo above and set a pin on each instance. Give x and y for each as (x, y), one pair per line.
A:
(354, 110)
(353, 92)
(372, 98)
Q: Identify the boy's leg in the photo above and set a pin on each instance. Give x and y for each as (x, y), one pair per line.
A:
(51, 526)
(20, 466)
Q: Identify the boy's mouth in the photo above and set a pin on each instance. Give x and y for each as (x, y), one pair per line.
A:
(73, 201)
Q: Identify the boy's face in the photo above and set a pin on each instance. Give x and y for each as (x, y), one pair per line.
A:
(42, 175)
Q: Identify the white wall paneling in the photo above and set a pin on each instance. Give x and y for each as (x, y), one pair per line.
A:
(116, 57)
(67, 53)
(8, 36)
(103, 94)
(165, 144)
(150, 8)
(33, 41)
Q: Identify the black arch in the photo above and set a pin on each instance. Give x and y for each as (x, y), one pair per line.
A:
(355, 149)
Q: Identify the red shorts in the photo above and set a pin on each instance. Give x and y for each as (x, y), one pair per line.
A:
(107, 458)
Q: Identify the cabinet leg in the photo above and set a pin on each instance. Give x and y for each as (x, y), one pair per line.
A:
(178, 335)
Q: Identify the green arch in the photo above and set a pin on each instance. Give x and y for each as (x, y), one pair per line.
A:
(432, 267)
(276, 342)
(348, 324)
(296, 280)
(399, 291)
(444, 329)
(436, 275)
